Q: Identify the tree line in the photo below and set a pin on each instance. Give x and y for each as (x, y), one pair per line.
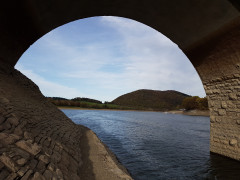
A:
(195, 102)
(188, 103)
(84, 103)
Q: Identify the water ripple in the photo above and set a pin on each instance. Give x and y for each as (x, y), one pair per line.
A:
(158, 146)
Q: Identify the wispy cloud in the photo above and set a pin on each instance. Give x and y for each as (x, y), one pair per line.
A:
(154, 61)
(118, 56)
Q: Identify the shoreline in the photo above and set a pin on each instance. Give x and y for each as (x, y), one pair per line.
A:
(99, 162)
(205, 113)
(80, 108)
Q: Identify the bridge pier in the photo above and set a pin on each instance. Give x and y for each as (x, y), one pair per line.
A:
(217, 61)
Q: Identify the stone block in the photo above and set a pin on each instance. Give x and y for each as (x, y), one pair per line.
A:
(8, 138)
(44, 159)
(38, 176)
(13, 120)
(34, 149)
(233, 142)
(27, 175)
(23, 170)
(9, 163)
(51, 167)
(21, 152)
(21, 161)
(212, 119)
(222, 112)
(238, 122)
(233, 96)
(224, 105)
(218, 119)
(27, 135)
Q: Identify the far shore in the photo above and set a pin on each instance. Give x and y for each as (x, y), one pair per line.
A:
(188, 113)
(80, 108)
(191, 112)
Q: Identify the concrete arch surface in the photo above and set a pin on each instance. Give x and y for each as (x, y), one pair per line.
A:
(38, 141)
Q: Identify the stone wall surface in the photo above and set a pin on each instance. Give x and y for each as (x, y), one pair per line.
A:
(224, 94)
(37, 141)
(218, 64)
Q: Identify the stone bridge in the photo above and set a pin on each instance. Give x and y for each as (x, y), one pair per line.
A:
(37, 141)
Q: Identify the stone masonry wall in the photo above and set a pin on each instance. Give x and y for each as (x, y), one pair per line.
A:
(224, 104)
(37, 141)
(218, 63)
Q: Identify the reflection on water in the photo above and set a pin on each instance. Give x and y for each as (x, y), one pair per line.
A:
(158, 146)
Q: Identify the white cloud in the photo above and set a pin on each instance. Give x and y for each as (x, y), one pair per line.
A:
(140, 58)
(154, 60)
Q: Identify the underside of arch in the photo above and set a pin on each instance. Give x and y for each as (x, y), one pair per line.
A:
(37, 140)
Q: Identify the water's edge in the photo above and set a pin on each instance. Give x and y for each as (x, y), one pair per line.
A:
(99, 159)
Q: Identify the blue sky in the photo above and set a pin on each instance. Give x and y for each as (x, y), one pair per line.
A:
(105, 57)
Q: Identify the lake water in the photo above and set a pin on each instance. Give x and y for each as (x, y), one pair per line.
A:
(159, 146)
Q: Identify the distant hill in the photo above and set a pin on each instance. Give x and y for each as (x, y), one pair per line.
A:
(151, 99)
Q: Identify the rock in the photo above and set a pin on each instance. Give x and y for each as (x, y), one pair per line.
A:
(21, 161)
(44, 159)
(212, 119)
(233, 96)
(23, 170)
(222, 112)
(51, 167)
(9, 163)
(13, 120)
(8, 138)
(21, 153)
(26, 176)
(38, 176)
(224, 105)
(233, 142)
(34, 149)
(27, 135)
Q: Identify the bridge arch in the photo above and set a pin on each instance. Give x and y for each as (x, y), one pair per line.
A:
(207, 32)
